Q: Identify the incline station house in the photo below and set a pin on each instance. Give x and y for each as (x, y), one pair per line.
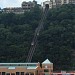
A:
(26, 68)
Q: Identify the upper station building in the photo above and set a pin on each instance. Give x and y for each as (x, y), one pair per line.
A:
(26, 68)
(49, 4)
(56, 3)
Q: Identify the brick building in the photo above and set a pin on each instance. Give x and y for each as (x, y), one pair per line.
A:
(26, 68)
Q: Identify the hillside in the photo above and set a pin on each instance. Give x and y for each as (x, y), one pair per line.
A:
(16, 33)
(55, 42)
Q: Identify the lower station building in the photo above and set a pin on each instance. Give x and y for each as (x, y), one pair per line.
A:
(26, 68)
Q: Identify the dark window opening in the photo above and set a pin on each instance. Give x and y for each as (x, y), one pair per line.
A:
(17, 73)
(27, 74)
(46, 70)
(12, 73)
(22, 73)
(7, 73)
(47, 6)
(3, 73)
(31, 73)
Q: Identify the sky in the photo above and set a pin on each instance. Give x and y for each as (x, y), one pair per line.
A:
(15, 3)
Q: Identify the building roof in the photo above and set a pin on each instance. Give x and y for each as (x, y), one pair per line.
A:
(22, 65)
(17, 63)
(47, 62)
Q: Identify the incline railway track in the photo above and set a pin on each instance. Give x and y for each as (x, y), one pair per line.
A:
(36, 34)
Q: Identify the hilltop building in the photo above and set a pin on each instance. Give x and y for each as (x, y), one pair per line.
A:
(17, 10)
(25, 6)
(56, 3)
(68, 2)
(26, 68)
(28, 5)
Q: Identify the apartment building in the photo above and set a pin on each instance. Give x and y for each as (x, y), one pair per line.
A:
(56, 3)
(28, 5)
(25, 6)
(17, 10)
(67, 1)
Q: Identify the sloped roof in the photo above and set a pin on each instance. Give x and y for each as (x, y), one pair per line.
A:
(47, 62)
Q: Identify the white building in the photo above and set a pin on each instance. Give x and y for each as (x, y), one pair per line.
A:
(25, 6)
(56, 3)
(47, 4)
(68, 1)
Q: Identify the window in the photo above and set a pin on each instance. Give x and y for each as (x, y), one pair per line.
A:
(46, 70)
(29, 5)
(17, 73)
(27, 73)
(7, 73)
(3, 73)
(31, 73)
(12, 73)
(22, 73)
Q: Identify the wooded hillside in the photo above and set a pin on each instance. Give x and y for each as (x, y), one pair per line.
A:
(55, 42)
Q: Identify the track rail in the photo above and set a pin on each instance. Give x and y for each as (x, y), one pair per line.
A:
(36, 34)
